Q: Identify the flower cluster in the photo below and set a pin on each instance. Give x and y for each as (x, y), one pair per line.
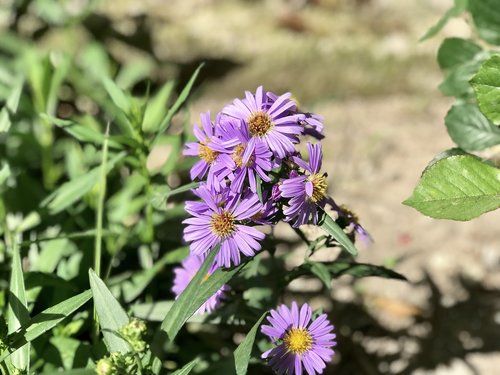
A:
(251, 173)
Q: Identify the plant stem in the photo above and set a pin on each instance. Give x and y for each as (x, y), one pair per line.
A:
(99, 217)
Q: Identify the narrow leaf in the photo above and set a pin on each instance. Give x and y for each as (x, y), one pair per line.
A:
(187, 368)
(111, 315)
(332, 228)
(156, 108)
(244, 350)
(178, 103)
(80, 132)
(18, 309)
(458, 8)
(45, 321)
(486, 84)
(119, 98)
(196, 293)
(469, 129)
(459, 187)
(134, 286)
(321, 271)
(71, 191)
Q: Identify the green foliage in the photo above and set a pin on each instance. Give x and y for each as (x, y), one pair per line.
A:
(470, 129)
(244, 350)
(458, 187)
(332, 228)
(82, 186)
(486, 84)
(111, 315)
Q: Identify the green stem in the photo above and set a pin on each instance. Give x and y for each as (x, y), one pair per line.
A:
(99, 217)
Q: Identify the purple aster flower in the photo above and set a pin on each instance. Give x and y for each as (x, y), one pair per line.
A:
(306, 191)
(249, 157)
(221, 218)
(352, 219)
(301, 343)
(185, 273)
(268, 120)
(210, 159)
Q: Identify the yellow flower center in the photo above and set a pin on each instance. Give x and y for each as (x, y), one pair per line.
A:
(238, 159)
(319, 187)
(206, 153)
(298, 340)
(259, 124)
(222, 224)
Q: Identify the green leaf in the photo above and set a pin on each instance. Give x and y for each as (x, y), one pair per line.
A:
(153, 311)
(486, 84)
(244, 350)
(339, 268)
(459, 187)
(111, 315)
(321, 271)
(156, 108)
(119, 97)
(456, 51)
(456, 83)
(332, 228)
(133, 287)
(11, 104)
(162, 193)
(18, 309)
(178, 103)
(196, 293)
(45, 321)
(469, 129)
(187, 368)
(80, 132)
(486, 16)
(71, 191)
(458, 8)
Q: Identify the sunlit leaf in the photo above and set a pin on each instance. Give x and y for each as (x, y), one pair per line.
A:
(486, 84)
(18, 314)
(244, 350)
(111, 315)
(459, 187)
(332, 228)
(45, 321)
(469, 129)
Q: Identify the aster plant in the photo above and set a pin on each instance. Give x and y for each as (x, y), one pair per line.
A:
(249, 174)
(184, 276)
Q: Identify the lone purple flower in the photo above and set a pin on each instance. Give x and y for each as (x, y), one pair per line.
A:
(268, 119)
(186, 272)
(219, 219)
(306, 191)
(300, 342)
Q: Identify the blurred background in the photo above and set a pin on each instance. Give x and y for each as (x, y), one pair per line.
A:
(359, 64)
